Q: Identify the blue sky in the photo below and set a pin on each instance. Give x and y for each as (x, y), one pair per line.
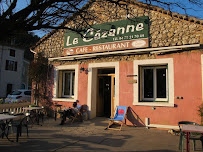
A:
(192, 10)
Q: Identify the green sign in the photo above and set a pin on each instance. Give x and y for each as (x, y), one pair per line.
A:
(111, 32)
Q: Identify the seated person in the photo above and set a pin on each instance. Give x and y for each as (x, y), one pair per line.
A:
(71, 112)
(75, 109)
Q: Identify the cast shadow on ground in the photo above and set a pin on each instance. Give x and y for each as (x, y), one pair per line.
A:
(134, 118)
(59, 141)
(164, 150)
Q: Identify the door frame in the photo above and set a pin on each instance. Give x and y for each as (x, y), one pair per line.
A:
(112, 95)
(92, 84)
(112, 75)
(202, 73)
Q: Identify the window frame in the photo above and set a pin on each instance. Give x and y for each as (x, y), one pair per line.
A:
(154, 62)
(56, 86)
(154, 99)
(12, 53)
(71, 84)
(11, 65)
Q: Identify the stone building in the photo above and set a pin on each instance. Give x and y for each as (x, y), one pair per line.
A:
(143, 57)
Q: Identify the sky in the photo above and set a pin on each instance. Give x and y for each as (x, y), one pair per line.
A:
(192, 10)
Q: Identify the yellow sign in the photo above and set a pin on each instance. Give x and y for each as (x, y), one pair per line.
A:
(131, 81)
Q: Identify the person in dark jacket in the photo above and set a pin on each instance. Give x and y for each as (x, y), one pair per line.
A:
(70, 112)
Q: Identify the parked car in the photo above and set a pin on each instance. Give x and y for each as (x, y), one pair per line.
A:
(19, 95)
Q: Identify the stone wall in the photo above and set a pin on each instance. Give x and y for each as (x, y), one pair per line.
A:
(53, 45)
(166, 29)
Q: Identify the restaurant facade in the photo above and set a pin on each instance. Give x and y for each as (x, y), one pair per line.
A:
(146, 58)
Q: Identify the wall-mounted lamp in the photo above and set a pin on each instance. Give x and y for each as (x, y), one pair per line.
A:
(84, 69)
(153, 108)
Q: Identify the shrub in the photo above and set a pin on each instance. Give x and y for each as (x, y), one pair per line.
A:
(1, 100)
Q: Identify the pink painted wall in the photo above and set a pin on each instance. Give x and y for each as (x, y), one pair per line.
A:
(82, 85)
(125, 89)
(187, 84)
(82, 89)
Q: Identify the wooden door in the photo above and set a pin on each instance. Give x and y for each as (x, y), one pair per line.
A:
(100, 97)
(105, 105)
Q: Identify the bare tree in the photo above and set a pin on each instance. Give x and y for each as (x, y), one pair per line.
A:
(37, 14)
(50, 14)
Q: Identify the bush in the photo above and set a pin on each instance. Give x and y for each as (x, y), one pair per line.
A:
(1, 100)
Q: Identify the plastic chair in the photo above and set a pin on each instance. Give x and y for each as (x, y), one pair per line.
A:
(3, 129)
(57, 111)
(120, 115)
(19, 123)
(192, 137)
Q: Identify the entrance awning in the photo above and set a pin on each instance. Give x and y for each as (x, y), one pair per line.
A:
(126, 52)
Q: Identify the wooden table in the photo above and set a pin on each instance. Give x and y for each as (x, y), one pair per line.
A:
(191, 129)
(6, 117)
(32, 108)
(5, 122)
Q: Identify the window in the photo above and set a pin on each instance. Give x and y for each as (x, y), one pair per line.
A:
(68, 81)
(12, 52)
(27, 93)
(22, 86)
(9, 89)
(153, 83)
(65, 83)
(11, 65)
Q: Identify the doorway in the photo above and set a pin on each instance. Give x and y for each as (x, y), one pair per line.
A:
(105, 93)
(9, 89)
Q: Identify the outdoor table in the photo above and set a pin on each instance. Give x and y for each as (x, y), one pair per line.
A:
(191, 129)
(36, 116)
(32, 108)
(6, 120)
